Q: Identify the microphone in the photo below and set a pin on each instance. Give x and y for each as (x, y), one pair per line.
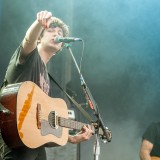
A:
(66, 39)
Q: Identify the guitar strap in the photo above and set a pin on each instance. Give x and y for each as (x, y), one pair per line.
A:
(2, 108)
(4, 84)
(89, 118)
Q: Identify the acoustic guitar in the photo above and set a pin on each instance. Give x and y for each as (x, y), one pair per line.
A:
(35, 119)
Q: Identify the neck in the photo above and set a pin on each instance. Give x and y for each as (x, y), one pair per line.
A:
(45, 53)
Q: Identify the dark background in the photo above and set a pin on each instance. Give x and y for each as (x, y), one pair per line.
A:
(120, 63)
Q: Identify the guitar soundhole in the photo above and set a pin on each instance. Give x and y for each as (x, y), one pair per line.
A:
(52, 119)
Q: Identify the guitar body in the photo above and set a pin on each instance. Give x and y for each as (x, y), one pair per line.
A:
(31, 122)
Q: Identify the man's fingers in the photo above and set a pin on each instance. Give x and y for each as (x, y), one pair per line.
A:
(43, 18)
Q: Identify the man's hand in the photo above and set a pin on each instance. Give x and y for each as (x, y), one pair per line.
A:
(84, 135)
(43, 18)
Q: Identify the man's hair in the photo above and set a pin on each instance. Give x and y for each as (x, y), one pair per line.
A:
(56, 22)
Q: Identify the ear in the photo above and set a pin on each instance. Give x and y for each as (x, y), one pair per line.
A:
(39, 40)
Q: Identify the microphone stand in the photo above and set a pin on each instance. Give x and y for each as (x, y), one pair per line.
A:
(106, 132)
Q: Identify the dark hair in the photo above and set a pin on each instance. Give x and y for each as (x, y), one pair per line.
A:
(56, 22)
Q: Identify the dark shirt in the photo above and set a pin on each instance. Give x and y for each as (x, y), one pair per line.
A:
(33, 69)
(152, 134)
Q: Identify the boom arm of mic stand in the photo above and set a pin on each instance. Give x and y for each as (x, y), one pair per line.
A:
(107, 133)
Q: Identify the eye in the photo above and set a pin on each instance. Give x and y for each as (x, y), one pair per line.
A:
(60, 33)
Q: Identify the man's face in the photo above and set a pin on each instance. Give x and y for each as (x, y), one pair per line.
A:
(49, 35)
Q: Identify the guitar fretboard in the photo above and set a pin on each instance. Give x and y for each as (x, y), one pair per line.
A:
(68, 123)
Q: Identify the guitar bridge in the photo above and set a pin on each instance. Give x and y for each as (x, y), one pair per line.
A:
(38, 116)
(53, 119)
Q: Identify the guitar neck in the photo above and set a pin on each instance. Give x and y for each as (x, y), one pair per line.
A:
(68, 123)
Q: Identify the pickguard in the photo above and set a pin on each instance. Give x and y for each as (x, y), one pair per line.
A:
(47, 129)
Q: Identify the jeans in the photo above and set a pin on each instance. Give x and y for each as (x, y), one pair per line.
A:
(21, 153)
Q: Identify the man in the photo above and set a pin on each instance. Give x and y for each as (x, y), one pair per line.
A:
(150, 147)
(28, 63)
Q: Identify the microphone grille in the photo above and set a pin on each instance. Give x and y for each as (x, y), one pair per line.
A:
(56, 40)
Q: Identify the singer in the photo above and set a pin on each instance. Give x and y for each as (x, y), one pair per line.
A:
(28, 63)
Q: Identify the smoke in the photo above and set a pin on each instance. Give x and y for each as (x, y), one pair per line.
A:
(121, 66)
(120, 63)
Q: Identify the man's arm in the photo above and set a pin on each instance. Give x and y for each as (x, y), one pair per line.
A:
(29, 42)
(145, 150)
